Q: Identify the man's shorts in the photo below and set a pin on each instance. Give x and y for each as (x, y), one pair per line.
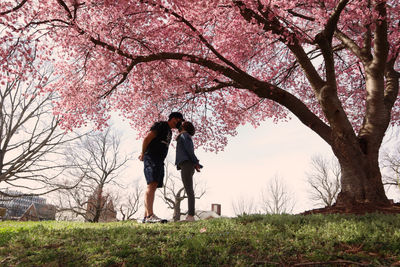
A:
(153, 170)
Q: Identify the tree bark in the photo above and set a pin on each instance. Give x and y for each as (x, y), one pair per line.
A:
(177, 209)
(361, 180)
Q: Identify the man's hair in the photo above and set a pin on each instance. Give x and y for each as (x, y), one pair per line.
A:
(175, 115)
(188, 127)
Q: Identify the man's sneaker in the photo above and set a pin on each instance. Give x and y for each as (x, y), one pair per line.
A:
(142, 220)
(154, 219)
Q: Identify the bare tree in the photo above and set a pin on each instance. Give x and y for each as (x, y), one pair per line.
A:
(324, 179)
(130, 204)
(173, 192)
(97, 163)
(244, 206)
(30, 139)
(276, 198)
(391, 167)
(67, 216)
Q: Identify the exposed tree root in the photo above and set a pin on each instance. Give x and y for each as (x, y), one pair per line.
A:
(358, 209)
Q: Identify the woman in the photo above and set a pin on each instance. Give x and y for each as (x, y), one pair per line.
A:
(186, 161)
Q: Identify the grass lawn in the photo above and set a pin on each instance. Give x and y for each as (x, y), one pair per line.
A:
(257, 240)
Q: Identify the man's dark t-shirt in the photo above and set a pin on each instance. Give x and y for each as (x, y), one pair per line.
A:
(158, 147)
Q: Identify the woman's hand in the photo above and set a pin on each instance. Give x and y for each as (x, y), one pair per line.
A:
(198, 167)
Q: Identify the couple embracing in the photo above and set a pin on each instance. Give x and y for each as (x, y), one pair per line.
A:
(154, 151)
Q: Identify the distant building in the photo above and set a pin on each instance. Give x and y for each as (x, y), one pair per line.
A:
(106, 208)
(39, 212)
(26, 208)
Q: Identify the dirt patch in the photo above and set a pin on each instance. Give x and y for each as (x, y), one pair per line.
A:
(358, 209)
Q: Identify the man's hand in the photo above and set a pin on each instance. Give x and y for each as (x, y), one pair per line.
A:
(140, 157)
(150, 136)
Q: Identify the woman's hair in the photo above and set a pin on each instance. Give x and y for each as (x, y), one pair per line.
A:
(188, 127)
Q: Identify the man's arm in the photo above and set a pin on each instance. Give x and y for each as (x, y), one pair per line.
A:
(146, 141)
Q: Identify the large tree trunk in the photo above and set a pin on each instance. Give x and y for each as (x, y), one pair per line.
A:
(361, 186)
(361, 181)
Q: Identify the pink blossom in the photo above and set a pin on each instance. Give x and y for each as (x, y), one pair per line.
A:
(137, 57)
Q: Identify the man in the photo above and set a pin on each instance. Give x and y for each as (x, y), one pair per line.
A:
(154, 151)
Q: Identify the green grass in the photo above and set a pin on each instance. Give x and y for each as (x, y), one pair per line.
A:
(258, 240)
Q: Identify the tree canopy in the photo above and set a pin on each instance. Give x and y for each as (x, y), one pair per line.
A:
(334, 64)
(209, 58)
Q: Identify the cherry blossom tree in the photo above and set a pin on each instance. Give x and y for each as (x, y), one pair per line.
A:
(333, 64)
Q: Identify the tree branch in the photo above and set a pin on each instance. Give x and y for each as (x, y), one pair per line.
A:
(381, 44)
(199, 35)
(14, 8)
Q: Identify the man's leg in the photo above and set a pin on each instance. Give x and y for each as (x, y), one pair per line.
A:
(149, 198)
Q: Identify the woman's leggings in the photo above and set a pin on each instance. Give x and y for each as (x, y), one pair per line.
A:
(187, 172)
